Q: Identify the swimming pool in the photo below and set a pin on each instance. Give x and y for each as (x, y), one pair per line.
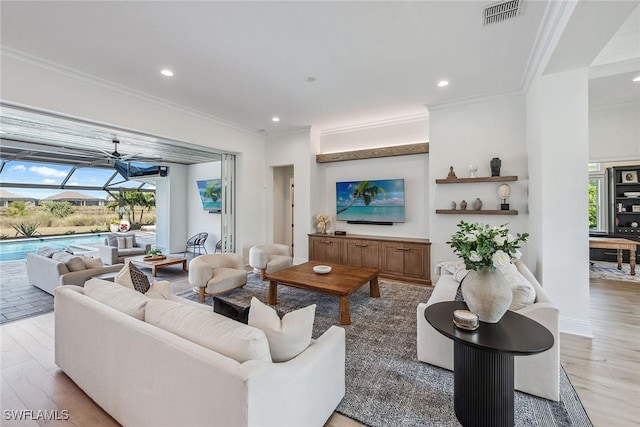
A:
(17, 249)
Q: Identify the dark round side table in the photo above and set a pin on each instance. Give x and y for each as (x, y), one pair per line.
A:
(483, 361)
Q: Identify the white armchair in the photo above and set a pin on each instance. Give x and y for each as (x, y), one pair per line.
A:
(267, 259)
(538, 374)
(213, 274)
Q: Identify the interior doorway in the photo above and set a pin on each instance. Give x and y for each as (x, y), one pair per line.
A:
(283, 205)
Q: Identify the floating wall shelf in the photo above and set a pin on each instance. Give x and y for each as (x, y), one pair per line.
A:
(475, 212)
(477, 179)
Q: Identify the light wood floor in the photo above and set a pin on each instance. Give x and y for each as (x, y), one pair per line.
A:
(605, 371)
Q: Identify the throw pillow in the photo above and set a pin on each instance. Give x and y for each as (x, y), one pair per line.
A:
(111, 240)
(131, 277)
(287, 337)
(92, 262)
(523, 291)
(73, 263)
(128, 242)
(122, 243)
(46, 251)
(230, 310)
(459, 296)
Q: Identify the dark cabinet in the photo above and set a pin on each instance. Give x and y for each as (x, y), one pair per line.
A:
(624, 201)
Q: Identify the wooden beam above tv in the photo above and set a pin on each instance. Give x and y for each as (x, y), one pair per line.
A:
(372, 153)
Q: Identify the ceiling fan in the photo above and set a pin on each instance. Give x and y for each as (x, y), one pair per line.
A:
(112, 157)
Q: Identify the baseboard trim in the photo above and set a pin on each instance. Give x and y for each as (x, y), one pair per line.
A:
(577, 327)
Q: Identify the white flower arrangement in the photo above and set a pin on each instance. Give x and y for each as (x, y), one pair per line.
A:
(481, 246)
(321, 221)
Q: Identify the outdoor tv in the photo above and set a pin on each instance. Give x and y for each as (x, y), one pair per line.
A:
(210, 191)
(370, 202)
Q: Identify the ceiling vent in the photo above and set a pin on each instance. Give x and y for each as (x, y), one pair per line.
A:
(502, 11)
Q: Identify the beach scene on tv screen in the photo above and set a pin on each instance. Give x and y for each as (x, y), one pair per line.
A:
(374, 200)
(211, 194)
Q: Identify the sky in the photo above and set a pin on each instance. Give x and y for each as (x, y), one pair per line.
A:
(54, 174)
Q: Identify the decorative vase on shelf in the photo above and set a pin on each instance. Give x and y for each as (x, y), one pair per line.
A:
(322, 228)
(487, 294)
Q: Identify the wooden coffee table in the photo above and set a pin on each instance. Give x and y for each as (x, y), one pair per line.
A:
(343, 280)
(154, 265)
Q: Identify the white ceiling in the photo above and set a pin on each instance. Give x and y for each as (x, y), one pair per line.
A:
(246, 61)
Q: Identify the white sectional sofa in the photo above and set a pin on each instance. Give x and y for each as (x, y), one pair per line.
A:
(117, 346)
(538, 374)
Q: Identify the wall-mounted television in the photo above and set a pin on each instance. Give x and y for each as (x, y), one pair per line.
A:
(210, 191)
(370, 202)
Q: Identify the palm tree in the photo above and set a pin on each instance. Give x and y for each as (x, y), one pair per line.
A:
(213, 191)
(364, 191)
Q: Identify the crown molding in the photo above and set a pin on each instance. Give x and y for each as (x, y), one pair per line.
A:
(124, 90)
(376, 124)
(288, 131)
(475, 99)
(554, 21)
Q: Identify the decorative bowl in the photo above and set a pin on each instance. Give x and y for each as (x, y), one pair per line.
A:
(322, 269)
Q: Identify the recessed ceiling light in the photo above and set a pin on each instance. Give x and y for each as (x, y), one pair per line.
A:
(166, 72)
(637, 79)
(275, 119)
(443, 83)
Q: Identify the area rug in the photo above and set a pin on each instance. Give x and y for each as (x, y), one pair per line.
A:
(386, 384)
(609, 271)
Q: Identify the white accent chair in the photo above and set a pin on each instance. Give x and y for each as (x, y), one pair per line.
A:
(213, 274)
(267, 259)
(537, 374)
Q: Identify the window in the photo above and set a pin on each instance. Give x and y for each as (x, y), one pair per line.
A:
(597, 198)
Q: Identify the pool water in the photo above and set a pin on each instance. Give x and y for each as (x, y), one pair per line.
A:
(17, 249)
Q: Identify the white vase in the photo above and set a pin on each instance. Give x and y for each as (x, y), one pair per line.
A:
(487, 294)
(114, 227)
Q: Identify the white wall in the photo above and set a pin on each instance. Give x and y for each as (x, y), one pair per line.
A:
(291, 148)
(558, 153)
(413, 169)
(614, 132)
(472, 134)
(401, 131)
(171, 200)
(198, 219)
(44, 86)
(314, 190)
